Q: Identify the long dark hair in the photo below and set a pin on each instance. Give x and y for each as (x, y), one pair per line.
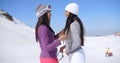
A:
(43, 20)
(71, 18)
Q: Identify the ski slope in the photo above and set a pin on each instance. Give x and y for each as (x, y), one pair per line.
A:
(18, 45)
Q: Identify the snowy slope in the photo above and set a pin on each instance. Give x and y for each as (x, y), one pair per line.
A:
(17, 45)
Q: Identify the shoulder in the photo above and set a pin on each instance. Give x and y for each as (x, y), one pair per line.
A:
(74, 24)
(43, 28)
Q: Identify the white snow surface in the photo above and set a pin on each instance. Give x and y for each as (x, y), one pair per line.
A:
(18, 45)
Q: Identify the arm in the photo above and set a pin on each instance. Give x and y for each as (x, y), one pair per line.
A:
(59, 34)
(43, 33)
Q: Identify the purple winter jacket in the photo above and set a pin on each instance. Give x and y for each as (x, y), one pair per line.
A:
(48, 42)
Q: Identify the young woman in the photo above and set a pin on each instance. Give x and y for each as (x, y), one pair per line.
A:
(75, 31)
(46, 36)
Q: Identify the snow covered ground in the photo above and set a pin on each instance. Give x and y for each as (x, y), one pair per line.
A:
(17, 45)
(95, 49)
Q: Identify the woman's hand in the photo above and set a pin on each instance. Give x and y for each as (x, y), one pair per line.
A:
(62, 37)
(62, 48)
(61, 33)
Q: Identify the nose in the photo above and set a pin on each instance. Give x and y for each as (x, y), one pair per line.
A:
(50, 14)
(65, 14)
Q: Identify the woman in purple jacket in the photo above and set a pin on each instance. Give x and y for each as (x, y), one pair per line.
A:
(45, 35)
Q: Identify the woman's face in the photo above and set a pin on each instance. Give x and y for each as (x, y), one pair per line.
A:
(49, 15)
(67, 13)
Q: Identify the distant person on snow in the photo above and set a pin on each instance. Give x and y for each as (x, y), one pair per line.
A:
(106, 52)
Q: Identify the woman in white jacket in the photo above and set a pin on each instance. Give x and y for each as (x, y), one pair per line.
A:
(75, 31)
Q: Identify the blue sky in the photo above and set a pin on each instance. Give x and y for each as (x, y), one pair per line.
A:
(98, 16)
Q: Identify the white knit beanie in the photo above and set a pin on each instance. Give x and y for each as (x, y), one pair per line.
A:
(42, 9)
(73, 8)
